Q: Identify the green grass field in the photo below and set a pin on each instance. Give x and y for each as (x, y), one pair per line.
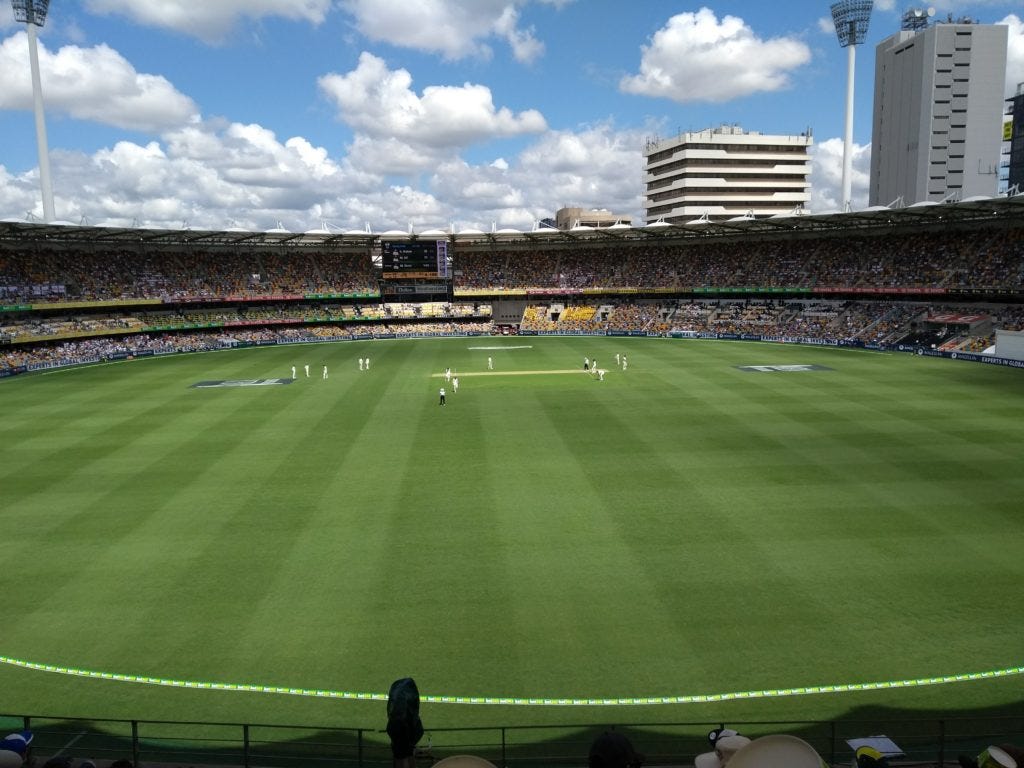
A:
(683, 527)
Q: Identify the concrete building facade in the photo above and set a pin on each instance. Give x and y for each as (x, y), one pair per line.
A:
(725, 172)
(567, 218)
(938, 112)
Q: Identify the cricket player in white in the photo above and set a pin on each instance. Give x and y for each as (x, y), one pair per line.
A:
(490, 364)
(307, 370)
(360, 363)
(447, 374)
(367, 363)
(293, 371)
(325, 371)
(455, 385)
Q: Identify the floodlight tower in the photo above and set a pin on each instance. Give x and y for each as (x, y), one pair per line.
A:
(851, 20)
(33, 14)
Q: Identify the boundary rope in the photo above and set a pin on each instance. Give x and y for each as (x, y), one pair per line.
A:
(703, 698)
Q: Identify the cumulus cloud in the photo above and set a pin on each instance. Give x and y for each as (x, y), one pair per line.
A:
(453, 28)
(214, 174)
(95, 84)
(696, 57)
(379, 103)
(209, 21)
(1014, 53)
(827, 176)
(208, 174)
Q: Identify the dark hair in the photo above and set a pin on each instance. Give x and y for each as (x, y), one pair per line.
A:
(613, 750)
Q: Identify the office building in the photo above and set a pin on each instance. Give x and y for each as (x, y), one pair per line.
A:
(938, 112)
(1013, 134)
(721, 173)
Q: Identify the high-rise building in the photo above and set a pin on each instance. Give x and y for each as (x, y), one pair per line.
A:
(1014, 134)
(938, 112)
(725, 172)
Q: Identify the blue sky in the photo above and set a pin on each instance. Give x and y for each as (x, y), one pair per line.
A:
(413, 112)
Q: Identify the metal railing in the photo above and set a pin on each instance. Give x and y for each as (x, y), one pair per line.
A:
(925, 741)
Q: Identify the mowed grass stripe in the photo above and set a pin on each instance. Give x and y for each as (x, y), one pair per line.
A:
(640, 531)
(143, 539)
(251, 538)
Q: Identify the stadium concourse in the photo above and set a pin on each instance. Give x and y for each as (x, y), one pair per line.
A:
(946, 277)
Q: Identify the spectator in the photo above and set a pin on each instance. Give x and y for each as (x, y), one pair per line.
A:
(613, 750)
(15, 748)
(405, 729)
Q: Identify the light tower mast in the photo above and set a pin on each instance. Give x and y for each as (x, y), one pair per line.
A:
(33, 14)
(851, 21)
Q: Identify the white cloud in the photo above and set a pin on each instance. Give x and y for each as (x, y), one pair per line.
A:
(525, 47)
(827, 176)
(215, 173)
(209, 21)
(826, 25)
(694, 57)
(453, 28)
(1014, 53)
(95, 84)
(379, 103)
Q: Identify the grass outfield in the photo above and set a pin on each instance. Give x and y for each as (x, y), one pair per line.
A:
(683, 527)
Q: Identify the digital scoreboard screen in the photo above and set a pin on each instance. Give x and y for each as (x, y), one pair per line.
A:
(416, 260)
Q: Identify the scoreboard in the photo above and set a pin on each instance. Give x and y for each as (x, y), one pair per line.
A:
(415, 260)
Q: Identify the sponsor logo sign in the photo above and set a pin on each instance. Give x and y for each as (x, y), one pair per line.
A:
(782, 368)
(240, 383)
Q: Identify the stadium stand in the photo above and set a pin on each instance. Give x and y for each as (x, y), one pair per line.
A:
(82, 302)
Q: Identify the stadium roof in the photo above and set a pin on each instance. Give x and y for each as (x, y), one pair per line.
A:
(1004, 210)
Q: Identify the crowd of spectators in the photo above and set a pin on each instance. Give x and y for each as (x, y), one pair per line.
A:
(105, 348)
(878, 322)
(26, 327)
(992, 260)
(237, 290)
(979, 259)
(43, 275)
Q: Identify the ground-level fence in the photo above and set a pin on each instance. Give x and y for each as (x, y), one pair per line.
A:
(926, 741)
